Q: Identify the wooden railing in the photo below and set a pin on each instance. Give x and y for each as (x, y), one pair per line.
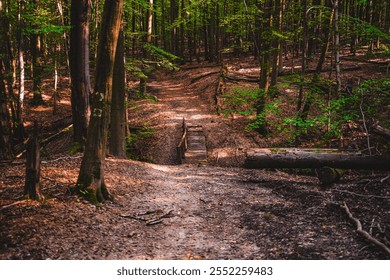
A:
(183, 145)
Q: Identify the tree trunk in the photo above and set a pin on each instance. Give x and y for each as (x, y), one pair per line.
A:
(79, 70)
(118, 104)
(90, 182)
(19, 132)
(5, 127)
(5, 119)
(337, 45)
(300, 158)
(325, 46)
(264, 62)
(174, 13)
(150, 22)
(278, 18)
(37, 65)
(33, 167)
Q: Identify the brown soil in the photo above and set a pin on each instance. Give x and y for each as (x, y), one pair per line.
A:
(163, 210)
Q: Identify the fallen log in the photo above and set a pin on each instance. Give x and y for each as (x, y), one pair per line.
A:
(256, 79)
(193, 80)
(377, 129)
(313, 158)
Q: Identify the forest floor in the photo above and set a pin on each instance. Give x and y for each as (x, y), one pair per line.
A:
(213, 210)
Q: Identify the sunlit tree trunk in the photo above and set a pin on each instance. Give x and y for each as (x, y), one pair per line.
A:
(118, 105)
(91, 183)
(19, 131)
(150, 22)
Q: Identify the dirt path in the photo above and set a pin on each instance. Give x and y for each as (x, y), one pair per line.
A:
(188, 211)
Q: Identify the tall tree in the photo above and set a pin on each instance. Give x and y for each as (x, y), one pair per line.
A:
(36, 56)
(79, 69)
(118, 121)
(5, 120)
(91, 182)
(337, 45)
(264, 61)
(19, 131)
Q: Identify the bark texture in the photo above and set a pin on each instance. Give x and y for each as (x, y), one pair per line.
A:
(79, 69)
(33, 167)
(299, 158)
(90, 182)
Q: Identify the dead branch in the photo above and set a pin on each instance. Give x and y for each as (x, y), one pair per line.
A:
(312, 71)
(355, 59)
(61, 158)
(385, 179)
(149, 221)
(203, 76)
(365, 126)
(56, 135)
(242, 78)
(362, 195)
(10, 205)
(377, 129)
(198, 67)
(364, 233)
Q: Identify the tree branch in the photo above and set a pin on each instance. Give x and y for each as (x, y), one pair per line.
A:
(364, 233)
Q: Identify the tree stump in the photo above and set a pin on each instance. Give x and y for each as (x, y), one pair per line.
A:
(327, 176)
(33, 167)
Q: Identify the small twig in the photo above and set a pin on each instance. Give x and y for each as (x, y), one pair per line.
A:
(362, 195)
(372, 225)
(364, 233)
(9, 205)
(149, 221)
(365, 127)
(385, 179)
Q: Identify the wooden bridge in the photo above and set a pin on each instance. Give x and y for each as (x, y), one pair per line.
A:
(192, 147)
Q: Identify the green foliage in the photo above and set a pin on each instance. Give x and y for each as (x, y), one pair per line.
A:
(76, 147)
(369, 97)
(41, 19)
(135, 139)
(260, 120)
(240, 100)
(162, 58)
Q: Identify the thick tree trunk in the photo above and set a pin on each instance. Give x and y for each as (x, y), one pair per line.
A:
(5, 127)
(33, 167)
(90, 182)
(79, 70)
(5, 119)
(118, 106)
(300, 158)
